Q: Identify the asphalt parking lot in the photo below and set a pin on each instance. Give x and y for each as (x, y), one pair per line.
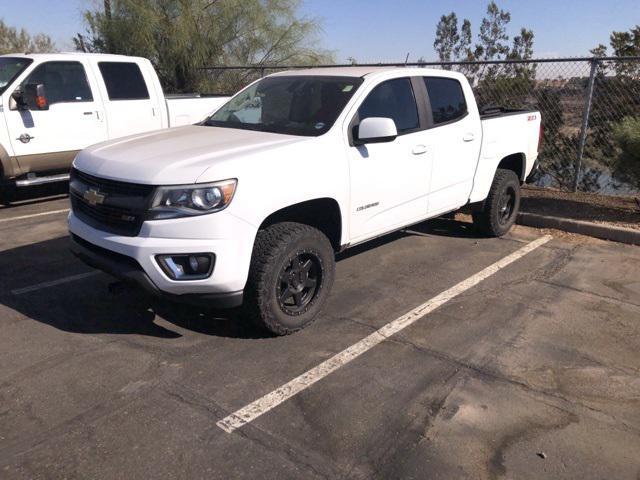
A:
(533, 372)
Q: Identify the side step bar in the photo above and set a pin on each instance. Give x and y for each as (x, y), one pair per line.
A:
(30, 182)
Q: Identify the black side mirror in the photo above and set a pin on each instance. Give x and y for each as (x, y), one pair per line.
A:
(31, 97)
(18, 97)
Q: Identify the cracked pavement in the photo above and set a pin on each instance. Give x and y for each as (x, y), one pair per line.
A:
(533, 373)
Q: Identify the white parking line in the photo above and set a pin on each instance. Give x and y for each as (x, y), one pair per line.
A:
(53, 283)
(298, 384)
(64, 210)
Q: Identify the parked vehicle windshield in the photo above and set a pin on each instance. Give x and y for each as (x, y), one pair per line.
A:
(10, 68)
(293, 105)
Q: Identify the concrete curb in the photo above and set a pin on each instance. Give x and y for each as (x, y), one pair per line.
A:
(616, 234)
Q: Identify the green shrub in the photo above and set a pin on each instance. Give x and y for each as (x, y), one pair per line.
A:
(627, 136)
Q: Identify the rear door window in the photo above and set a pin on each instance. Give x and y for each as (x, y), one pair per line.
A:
(393, 99)
(446, 98)
(124, 81)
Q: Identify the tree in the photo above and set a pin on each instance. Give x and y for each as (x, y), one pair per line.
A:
(627, 136)
(180, 37)
(493, 33)
(13, 40)
(453, 44)
(614, 123)
(447, 38)
(523, 50)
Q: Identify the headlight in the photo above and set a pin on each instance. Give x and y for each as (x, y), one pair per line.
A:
(189, 200)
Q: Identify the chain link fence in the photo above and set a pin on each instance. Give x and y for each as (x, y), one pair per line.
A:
(590, 110)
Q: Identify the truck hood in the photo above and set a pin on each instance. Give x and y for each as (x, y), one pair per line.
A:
(174, 156)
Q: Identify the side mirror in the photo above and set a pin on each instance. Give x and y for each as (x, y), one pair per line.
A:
(18, 101)
(31, 97)
(376, 130)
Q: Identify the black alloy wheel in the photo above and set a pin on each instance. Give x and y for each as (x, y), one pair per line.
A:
(299, 282)
(507, 205)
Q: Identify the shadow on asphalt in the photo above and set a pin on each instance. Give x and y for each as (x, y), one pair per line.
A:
(88, 306)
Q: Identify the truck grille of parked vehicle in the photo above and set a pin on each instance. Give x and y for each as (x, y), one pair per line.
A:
(108, 205)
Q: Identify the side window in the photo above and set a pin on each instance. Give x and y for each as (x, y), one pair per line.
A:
(392, 99)
(446, 98)
(64, 82)
(124, 81)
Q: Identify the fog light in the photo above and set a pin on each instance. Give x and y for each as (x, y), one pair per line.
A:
(194, 266)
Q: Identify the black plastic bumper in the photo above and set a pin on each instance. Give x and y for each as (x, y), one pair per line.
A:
(129, 270)
(536, 167)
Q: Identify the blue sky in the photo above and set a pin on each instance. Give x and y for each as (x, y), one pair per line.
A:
(385, 30)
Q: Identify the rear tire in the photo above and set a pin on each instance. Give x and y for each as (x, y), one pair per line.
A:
(291, 273)
(501, 207)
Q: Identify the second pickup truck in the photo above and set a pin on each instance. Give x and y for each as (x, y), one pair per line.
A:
(54, 105)
(249, 207)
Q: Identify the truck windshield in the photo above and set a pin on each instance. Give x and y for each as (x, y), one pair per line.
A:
(10, 68)
(292, 105)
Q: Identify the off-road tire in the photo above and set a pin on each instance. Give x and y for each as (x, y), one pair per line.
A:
(276, 249)
(493, 220)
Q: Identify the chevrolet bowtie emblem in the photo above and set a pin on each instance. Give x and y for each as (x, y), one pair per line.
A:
(93, 197)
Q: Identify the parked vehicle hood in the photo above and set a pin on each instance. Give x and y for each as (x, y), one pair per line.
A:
(174, 156)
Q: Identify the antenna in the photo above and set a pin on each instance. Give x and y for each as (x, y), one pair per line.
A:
(406, 59)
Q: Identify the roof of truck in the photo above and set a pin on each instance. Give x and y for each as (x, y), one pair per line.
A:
(360, 71)
(65, 55)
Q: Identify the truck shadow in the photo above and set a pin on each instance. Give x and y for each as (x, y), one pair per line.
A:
(87, 306)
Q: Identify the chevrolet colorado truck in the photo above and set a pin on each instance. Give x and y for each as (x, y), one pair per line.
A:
(54, 105)
(249, 207)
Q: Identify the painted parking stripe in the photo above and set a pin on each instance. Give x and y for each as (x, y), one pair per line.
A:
(23, 217)
(273, 399)
(53, 283)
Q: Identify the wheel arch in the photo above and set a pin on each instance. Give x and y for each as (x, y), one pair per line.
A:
(516, 162)
(321, 213)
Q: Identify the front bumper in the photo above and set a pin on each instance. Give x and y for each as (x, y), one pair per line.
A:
(128, 270)
(133, 259)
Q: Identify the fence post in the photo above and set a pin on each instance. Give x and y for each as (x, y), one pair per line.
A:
(585, 123)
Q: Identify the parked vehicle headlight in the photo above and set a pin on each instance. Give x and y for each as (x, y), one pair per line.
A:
(188, 200)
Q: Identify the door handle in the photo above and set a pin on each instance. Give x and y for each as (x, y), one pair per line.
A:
(88, 113)
(419, 150)
(469, 137)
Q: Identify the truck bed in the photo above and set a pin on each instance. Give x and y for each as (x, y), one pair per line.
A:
(505, 132)
(192, 108)
(495, 112)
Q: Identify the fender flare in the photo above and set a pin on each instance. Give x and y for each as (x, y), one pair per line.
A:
(8, 166)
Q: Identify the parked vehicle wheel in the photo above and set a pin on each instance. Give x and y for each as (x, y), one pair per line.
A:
(291, 273)
(501, 206)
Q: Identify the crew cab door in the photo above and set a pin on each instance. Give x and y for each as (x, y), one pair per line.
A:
(458, 131)
(131, 105)
(49, 139)
(390, 181)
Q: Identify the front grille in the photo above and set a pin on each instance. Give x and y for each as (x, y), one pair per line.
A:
(123, 205)
(112, 186)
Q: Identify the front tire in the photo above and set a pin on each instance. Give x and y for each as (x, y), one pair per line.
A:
(291, 273)
(501, 207)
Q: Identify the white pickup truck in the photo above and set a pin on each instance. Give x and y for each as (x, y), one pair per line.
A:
(249, 207)
(54, 105)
